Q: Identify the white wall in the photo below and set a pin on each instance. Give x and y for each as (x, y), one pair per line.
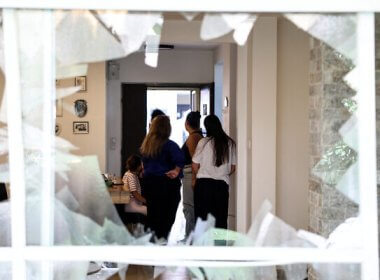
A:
(218, 82)
(93, 143)
(272, 123)
(243, 139)
(187, 32)
(175, 66)
(292, 124)
(263, 106)
(225, 55)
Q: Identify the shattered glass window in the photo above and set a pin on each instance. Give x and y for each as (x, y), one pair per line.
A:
(66, 83)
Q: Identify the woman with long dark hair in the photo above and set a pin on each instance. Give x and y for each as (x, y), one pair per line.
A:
(192, 126)
(213, 163)
(163, 161)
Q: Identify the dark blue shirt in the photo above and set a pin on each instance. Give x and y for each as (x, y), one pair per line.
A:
(169, 157)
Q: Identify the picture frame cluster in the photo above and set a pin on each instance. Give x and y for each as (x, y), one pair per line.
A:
(80, 108)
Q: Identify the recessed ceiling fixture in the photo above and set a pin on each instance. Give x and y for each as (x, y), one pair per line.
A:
(162, 47)
(165, 47)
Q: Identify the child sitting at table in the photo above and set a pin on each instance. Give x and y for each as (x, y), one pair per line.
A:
(132, 183)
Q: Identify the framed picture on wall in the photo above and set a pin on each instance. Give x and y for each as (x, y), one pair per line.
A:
(81, 128)
(205, 113)
(58, 129)
(81, 82)
(58, 108)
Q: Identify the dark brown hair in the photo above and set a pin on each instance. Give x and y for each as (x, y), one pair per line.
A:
(155, 113)
(159, 133)
(221, 140)
(133, 163)
(193, 119)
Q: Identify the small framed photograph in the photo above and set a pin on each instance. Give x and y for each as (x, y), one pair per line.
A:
(81, 128)
(205, 111)
(58, 129)
(58, 108)
(81, 82)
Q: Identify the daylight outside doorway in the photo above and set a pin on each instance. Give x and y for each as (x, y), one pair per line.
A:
(175, 103)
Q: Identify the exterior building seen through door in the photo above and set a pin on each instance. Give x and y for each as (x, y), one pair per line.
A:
(176, 103)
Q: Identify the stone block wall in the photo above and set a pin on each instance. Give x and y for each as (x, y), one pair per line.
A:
(377, 55)
(327, 113)
(328, 208)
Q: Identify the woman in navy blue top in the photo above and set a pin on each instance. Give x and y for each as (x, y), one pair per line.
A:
(163, 161)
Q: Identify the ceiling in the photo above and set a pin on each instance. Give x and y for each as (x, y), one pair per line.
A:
(179, 16)
(200, 46)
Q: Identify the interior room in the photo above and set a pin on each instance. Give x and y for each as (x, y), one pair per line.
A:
(280, 86)
(282, 122)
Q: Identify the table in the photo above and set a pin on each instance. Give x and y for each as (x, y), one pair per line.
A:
(119, 195)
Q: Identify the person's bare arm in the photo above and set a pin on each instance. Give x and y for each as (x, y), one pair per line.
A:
(172, 174)
(139, 197)
(192, 142)
(195, 168)
(233, 169)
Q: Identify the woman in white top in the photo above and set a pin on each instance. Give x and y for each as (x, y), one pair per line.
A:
(213, 163)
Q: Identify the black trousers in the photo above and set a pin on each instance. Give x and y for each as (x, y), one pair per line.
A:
(162, 198)
(3, 192)
(211, 197)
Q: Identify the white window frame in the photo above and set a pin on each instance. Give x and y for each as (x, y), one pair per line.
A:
(19, 253)
(254, 6)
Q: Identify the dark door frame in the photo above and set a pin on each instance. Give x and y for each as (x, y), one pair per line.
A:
(163, 85)
(190, 85)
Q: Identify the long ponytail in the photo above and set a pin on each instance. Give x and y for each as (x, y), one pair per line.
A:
(221, 140)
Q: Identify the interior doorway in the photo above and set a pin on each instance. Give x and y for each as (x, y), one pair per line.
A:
(134, 118)
(175, 100)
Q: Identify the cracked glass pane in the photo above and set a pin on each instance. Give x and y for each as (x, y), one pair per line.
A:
(333, 123)
(217, 25)
(86, 79)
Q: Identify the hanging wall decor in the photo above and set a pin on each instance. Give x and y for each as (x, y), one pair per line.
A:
(81, 82)
(58, 129)
(81, 128)
(80, 107)
(58, 107)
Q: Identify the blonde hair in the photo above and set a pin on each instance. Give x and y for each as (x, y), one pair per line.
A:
(157, 136)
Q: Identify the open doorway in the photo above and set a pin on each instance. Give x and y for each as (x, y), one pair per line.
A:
(176, 101)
